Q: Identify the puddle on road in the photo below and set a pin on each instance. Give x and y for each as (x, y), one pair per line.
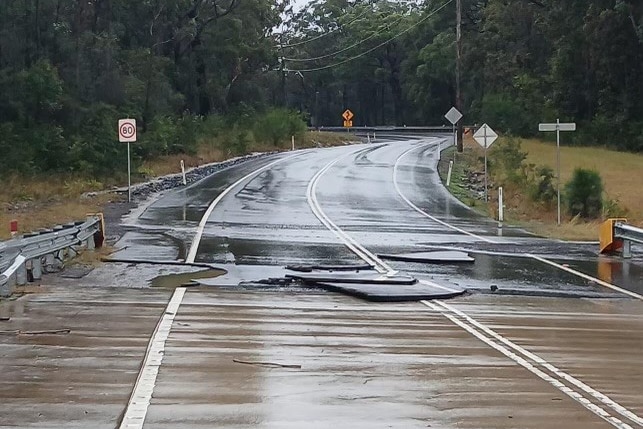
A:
(183, 279)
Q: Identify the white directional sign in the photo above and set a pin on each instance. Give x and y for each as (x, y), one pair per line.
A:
(453, 115)
(485, 136)
(558, 127)
(563, 126)
(126, 130)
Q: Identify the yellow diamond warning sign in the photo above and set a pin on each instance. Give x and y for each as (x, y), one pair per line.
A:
(347, 115)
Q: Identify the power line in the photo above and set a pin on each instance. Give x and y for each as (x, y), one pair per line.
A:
(321, 57)
(375, 47)
(303, 42)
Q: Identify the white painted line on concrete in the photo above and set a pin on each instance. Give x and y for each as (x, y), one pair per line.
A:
(204, 220)
(142, 394)
(587, 277)
(537, 359)
(448, 312)
(422, 212)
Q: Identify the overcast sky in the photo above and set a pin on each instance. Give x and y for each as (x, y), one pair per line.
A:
(299, 3)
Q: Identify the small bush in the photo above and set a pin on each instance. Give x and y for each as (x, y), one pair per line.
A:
(584, 194)
(542, 189)
(278, 125)
(613, 208)
(506, 161)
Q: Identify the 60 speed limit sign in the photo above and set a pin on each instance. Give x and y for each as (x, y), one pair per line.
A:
(127, 130)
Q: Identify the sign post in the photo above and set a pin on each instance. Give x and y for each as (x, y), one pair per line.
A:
(348, 116)
(453, 116)
(558, 127)
(485, 136)
(127, 134)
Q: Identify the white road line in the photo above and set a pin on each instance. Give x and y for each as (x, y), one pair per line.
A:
(141, 397)
(587, 277)
(537, 359)
(204, 220)
(538, 258)
(446, 311)
(422, 212)
(311, 194)
(368, 257)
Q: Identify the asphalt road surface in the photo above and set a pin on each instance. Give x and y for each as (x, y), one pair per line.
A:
(548, 336)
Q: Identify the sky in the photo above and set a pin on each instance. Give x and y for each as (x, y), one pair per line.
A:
(298, 4)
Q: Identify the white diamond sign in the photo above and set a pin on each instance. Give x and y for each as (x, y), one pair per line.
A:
(485, 136)
(453, 115)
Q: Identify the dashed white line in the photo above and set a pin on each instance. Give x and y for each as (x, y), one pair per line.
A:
(141, 397)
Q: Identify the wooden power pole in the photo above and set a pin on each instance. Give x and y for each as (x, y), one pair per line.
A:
(458, 68)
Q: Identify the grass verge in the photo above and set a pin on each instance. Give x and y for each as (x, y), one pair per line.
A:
(621, 173)
(42, 202)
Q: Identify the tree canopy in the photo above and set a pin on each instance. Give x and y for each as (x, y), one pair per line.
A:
(70, 68)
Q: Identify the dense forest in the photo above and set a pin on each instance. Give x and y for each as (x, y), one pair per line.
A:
(69, 69)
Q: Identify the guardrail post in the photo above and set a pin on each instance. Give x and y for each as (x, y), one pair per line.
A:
(21, 275)
(627, 249)
(50, 261)
(6, 286)
(36, 268)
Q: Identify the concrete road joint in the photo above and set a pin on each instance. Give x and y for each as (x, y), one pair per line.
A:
(368, 257)
(493, 339)
(204, 220)
(139, 402)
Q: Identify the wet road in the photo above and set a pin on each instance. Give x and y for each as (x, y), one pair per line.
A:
(289, 357)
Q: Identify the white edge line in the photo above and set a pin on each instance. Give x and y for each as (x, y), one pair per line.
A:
(204, 220)
(539, 360)
(587, 277)
(538, 258)
(422, 212)
(531, 368)
(139, 402)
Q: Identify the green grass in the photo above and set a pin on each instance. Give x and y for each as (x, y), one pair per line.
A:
(622, 172)
(622, 175)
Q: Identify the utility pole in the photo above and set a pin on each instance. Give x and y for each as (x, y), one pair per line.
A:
(284, 99)
(458, 67)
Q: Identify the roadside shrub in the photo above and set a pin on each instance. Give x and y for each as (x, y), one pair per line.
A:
(236, 141)
(542, 188)
(278, 125)
(506, 161)
(612, 208)
(584, 194)
(168, 135)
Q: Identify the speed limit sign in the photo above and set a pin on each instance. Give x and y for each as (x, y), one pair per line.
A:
(127, 130)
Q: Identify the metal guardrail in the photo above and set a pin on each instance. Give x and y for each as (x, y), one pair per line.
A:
(385, 129)
(25, 258)
(628, 234)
